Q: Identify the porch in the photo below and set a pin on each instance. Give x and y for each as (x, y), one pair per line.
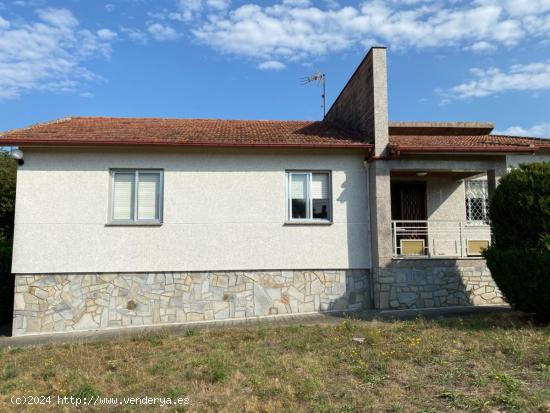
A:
(439, 214)
(432, 221)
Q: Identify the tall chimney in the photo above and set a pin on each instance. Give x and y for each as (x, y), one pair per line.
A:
(363, 103)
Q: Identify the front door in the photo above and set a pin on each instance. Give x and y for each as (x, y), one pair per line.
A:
(408, 203)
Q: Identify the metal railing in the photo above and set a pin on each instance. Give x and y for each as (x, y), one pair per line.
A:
(440, 238)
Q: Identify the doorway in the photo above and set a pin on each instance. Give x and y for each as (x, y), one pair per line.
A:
(408, 206)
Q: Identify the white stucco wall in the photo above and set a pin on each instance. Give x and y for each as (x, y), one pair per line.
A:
(513, 161)
(445, 199)
(223, 210)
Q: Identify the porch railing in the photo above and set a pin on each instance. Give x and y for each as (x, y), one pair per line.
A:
(440, 238)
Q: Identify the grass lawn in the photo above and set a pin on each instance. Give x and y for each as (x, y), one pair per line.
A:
(488, 363)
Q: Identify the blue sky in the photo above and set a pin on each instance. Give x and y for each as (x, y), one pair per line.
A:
(480, 60)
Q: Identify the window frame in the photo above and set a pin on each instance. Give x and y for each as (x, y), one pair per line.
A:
(469, 203)
(309, 200)
(135, 221)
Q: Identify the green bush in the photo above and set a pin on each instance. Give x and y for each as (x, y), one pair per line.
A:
(523, 277)
(8, 171)
(519, 258)
(520, 208)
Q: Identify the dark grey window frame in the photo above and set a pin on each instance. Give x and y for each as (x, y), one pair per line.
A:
(135, 221)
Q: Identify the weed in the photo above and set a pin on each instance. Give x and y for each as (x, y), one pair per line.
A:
(9, 372)
(190, 332)
(218, 367)
(85, 391)
(262, 331)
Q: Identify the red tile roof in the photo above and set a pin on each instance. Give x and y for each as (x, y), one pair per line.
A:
(465, 143)
(249, 133)
(187, 132)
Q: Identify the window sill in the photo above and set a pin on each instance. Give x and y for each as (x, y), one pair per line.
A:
(307, 222)
(132, 224)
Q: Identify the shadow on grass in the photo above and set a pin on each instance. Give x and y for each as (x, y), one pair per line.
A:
(468, 319)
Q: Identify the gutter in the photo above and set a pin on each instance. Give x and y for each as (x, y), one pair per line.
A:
(175, 144)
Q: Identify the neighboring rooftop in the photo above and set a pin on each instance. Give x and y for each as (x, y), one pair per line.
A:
(184, 132)
(465, 143)
(441, 128)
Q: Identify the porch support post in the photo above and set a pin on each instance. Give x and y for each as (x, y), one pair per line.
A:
(379, 178)
(380, 212)
(493, 177)
(491, 183)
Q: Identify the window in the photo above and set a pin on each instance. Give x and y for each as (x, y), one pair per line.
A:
(309, 196)
(136, 196)
(477, 201)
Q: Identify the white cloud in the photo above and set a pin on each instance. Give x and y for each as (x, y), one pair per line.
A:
(110, 7)
(162, 32)
(481, 47)
(106, 34)
(61, 18)
(218, 4)
(541, 130)
(4, 24)
(520, 77)
(271, 65)
(134, 34)
(188, 10)
(297, 30)
(47, 54)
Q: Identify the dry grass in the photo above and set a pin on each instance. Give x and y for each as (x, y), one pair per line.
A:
(480, 364)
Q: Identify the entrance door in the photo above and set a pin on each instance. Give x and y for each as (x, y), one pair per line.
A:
(408, 203)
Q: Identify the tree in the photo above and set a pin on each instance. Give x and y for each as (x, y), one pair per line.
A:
(519, 258)
(8, 171)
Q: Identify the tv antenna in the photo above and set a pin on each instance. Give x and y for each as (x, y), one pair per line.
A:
(321, 78)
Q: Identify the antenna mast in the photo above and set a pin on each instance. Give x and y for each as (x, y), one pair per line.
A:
(321, 78)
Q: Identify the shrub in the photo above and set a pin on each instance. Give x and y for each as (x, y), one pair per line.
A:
(520, 208)
(8, 171)
(523, 277)
(519, 258)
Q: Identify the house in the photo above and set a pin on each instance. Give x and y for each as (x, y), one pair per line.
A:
(127, 222)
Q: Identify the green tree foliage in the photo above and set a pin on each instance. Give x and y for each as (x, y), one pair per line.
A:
(520, 209)
(8, 171)
(519, 258)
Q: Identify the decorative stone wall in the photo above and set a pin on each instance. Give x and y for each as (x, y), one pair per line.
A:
(68, 302)
(418, 283)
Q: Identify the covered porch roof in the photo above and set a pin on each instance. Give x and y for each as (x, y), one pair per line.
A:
(456, 137)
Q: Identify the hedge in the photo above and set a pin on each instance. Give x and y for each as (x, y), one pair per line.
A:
(519, 258)
(523, 277)
(520, 208)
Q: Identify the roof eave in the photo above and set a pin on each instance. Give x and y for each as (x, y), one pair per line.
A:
(461, 149)
(191, 145)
